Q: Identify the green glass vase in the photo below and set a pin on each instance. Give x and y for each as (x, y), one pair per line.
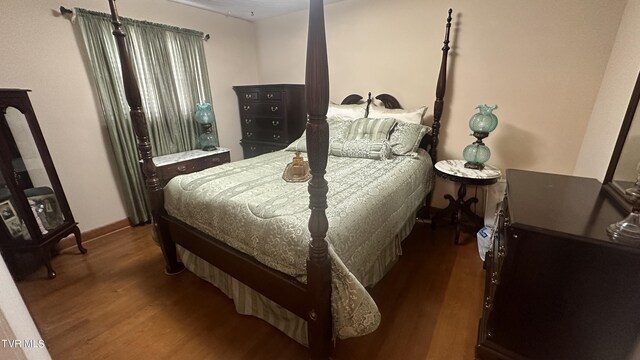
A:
(481, 123)
(205, 117)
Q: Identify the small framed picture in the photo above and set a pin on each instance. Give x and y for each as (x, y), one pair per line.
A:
(11, 220)
(15, 226)
(6, 210)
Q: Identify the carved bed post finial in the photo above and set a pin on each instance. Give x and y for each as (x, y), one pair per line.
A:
(152, 181)
(318, 263)
(366, 110)
(438, 106)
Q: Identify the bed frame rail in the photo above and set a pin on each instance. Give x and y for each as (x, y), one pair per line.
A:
(275, 285)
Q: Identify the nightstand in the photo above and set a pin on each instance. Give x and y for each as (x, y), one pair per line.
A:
(454, 170)
(187, 162)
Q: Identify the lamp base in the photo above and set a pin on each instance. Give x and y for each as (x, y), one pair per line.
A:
(626, 231)
(472, 165)
(207, 140)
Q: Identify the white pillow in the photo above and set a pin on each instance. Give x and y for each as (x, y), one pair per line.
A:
(350, 112)
(410, 116)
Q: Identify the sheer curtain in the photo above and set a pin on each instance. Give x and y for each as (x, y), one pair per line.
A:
(172, 73)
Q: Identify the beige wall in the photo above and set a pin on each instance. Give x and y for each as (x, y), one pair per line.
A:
(42, 52)
(613, 99)
(541, 61)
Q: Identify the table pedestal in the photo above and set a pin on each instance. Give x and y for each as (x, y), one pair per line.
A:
(457, 210)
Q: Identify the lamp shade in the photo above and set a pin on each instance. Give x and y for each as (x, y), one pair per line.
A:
(204, 114)
(484, 121)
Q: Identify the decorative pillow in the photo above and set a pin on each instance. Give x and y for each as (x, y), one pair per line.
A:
(405, 137)
(411, 116)
(361, 148)
(338, 128)
(370, 128)
(352, 112)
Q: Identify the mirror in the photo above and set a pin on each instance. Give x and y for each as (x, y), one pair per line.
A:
(623, 167)
(31, 175)
(34, 210)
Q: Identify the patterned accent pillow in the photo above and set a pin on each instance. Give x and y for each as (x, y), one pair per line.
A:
(338, 128)
(361, 148)
(412, 116)
(370, 128)
(405, 137)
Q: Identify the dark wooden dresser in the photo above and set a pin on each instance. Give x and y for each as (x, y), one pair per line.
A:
(556, 286)
(272, 116)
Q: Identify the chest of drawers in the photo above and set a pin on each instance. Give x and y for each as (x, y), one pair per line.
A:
(556, 286)
(271, 116)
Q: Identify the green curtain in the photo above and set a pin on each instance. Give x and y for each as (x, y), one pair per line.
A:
(171, 70)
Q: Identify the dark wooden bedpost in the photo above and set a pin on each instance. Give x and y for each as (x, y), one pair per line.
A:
(154, 187)
(318, 263)
(438, 106)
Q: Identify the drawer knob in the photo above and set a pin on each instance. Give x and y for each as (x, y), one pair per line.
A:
(249, 134)
(182, 168)
(247, 121)
(276, 137)
(246, 107)
(253, 148)
(274, 108)
(269, 95)
(275, 123)
(247, 96)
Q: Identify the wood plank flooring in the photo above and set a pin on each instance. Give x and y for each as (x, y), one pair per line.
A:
(116, 303)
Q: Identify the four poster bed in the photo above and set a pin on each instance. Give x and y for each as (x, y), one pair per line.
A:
(243, 228)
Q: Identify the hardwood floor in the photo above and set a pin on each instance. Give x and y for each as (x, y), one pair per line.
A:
(116, 303)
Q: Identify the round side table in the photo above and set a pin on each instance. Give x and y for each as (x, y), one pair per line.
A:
(454, 170)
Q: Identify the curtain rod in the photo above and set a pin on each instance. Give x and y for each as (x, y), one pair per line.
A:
(65, 11)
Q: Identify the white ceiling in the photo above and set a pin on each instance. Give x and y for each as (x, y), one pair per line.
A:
(251, 10)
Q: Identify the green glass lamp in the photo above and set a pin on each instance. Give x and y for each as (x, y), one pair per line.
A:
(481, 123)
(205, 117)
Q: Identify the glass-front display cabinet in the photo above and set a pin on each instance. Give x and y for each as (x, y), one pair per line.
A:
(34, 210)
